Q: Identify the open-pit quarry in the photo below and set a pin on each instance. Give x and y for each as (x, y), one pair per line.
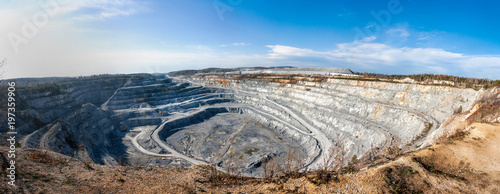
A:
(238, 118)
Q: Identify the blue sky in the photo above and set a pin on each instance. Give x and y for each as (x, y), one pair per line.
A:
(71, 38)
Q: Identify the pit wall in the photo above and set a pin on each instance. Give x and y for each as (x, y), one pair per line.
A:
(309, 144)
(37, 108)
(81, 134)
(364, 114)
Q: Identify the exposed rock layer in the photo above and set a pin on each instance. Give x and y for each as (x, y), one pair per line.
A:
(160, 121)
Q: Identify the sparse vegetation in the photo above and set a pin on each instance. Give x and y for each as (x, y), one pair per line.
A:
(475, 83)
(428, 126)
(458, 110)
(280, 167)
(415, 173)
(458, 135)
(431, 167)
(251, 151)
(88, 165)
(42, 157)
(293, 163)
(399, 179)
(53, 89)
(352, 166)
(193, 72)
(450, 80)
(321, 176)
(335, 160)
(425, 79)
(394, 150)
(232, 174)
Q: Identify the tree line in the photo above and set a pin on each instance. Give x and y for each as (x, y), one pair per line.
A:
(465, 82)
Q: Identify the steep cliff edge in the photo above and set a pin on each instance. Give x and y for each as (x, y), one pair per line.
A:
(239, 121)
(467, 164)
(61, 114)
(41, 101)
(364, 115)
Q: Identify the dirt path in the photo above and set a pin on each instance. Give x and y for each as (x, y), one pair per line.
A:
(323, 142)
(226, 145)
(141, 149)
(173, 152)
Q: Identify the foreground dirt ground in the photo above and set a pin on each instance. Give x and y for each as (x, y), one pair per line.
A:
(465, 163)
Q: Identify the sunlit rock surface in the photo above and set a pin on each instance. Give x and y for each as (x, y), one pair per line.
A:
(222, 118)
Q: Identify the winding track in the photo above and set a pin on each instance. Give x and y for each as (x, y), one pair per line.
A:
(174, 153)
(157, 139)
(226, 145)
(323, 142)
(322, 139)
(200, 95)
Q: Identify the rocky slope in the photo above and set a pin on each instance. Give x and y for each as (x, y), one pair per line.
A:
(361, 114)
(453, 166)
(60, 114)
(237, 122)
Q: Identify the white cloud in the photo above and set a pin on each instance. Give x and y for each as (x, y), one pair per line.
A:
(398, 32)
(370, 57)
(56, 46)
(235, 44)
(101, 9)
(57, 51)
(104, 14)
(427, 35)
(240, 44)
(384, 58)
(369, 39)
(280, 50)
(54, 16)
(199, 47)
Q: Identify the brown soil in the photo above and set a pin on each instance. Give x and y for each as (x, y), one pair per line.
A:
(468, 163)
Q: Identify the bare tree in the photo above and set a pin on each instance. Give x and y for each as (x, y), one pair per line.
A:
(394, 150)
(265, 167)
(269, 165)
(215, 176)
(335, 160)
(372, 154)
(293, 162)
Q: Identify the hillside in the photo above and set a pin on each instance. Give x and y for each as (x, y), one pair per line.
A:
(245, 128)
(467, 164)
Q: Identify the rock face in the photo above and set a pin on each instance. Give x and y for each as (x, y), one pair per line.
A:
(62, 115)
(361, 114)
(163, 117)
(80, 133)
(231, 119)
(44, 103)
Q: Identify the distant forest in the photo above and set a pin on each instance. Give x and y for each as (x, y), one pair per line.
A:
(475, 83)
(449, 80)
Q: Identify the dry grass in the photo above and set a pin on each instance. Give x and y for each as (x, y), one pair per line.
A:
(276, 169)
(468, 164)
